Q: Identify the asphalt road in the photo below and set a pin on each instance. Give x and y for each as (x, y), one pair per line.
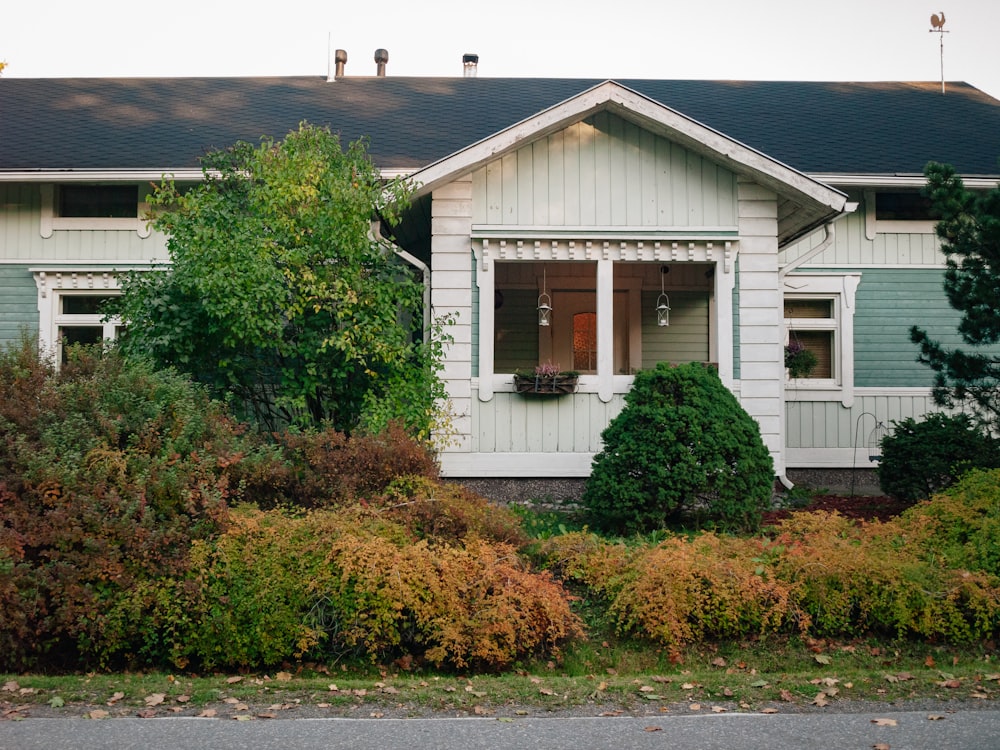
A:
(962, 730)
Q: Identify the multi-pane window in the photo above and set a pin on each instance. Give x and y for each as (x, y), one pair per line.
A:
(80, 320)
(812, 325)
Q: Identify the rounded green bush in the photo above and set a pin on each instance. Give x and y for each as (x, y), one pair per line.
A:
(921, 458)
(681, 444)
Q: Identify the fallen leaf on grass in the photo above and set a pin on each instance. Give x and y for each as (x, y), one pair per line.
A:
(695, 707)
(884, 722)
(936, 717)
(243, 717)
(98, 713)
(718, 662)
(480, 711)
(233, 680)
(175, 709)
(146, 713)
(769, 710)
(828, 681)
(822, 659)
(787, 696)
(545, 691)
(267, 715)
(208, 713)
(155, 699)
(11, 686)
(376, 715)
(646, 689)
(283, 677)
(182, 698)
(666, 680)
(719, 710)
(688, 686)
(820, 700)
(977, 694)
(612, 713)
(56, 702)
(951, 684)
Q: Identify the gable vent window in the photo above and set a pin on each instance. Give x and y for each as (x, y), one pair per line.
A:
(98, 201)
(902, 207)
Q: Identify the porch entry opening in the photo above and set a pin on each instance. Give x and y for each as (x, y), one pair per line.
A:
(571, 339)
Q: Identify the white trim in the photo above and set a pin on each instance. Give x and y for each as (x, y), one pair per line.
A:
(828, 458)
(897, 181)
(488, 465)
(49, 222)
(100, 175)
(54, 284)
(612, 233)
(869, 266)
(623, 250)
(605, 329)
(869, 391)
(841, 288)
(875, 226)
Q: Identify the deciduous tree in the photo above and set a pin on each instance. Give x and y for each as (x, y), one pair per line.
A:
(279, 296)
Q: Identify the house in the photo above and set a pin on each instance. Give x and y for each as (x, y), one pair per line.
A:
(760, 213)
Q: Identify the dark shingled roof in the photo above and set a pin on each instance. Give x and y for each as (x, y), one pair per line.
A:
(160, 123)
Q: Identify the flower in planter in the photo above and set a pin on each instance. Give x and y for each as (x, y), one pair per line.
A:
(547, 370)
(798, 360)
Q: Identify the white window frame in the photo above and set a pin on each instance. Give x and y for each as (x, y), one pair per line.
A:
(874, 226)
(55, 284)
(51, 222)
(840, 289)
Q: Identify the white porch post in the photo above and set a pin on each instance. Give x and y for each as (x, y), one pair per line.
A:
(605, 330)
(485, 280)
(725, 282)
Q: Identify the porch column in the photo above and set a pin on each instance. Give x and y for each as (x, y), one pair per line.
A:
(605, 329)
(485, 280)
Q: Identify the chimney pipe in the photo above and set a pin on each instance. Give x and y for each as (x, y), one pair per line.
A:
(470, 64)
(339, 60)
(381, 58)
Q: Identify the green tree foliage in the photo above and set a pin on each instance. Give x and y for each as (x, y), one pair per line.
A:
(279, 296)
(969, 228)
(921, 458)
(681, 443)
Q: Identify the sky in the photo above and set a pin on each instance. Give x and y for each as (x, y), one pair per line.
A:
(846, 40)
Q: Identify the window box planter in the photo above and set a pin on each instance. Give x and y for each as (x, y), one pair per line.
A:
(546, 385)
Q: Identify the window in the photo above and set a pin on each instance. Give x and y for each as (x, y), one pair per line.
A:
(80, 320)
(897, 212)
(98, 201)
(70, 309)
(819, 318)
(812, 326)
(902, 207)
(93, 207)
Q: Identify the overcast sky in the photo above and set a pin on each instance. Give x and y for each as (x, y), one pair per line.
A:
(860, 40)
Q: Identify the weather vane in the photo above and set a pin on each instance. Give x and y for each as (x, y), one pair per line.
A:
(937, 22)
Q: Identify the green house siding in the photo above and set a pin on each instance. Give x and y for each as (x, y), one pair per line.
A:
(889, 301)
(685, 339)
(18, 303)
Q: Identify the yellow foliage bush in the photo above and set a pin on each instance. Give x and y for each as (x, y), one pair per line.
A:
(351, 582)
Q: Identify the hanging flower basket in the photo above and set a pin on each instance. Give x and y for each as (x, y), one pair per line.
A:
(546, 380)
(799, 361)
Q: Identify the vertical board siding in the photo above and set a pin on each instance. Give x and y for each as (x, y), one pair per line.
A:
(512, 423)
(21, 241)
(18, 303)
(851, 247)
(828, 424)
(605, 171)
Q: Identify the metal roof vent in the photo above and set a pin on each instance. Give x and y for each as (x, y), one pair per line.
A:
(381, 58)
(470, 64)
(339, 61)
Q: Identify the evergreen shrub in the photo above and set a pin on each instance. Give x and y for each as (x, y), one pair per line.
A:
(921, 458)
(681, 444)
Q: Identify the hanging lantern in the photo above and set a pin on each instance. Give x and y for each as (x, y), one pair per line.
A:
(663, 301)
(875, 438)
(544, 304)
(544, 309)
